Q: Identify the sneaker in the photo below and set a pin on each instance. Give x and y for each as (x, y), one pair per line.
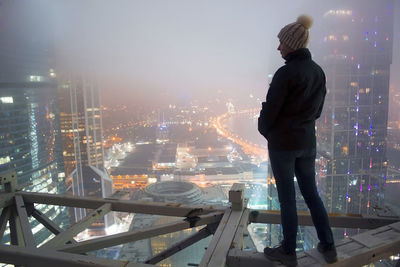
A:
(279, 254)
(329, 254)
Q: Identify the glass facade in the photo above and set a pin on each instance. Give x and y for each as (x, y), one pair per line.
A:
(82, 144)
(355, 52)
(29, 125)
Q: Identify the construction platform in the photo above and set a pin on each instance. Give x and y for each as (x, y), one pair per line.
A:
(227, 225)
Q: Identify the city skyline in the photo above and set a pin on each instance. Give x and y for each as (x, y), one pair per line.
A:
(159, 101)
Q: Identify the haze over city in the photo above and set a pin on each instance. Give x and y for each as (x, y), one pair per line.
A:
(175, 50)
(124, 119)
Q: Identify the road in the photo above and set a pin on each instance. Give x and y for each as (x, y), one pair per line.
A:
(248, 147)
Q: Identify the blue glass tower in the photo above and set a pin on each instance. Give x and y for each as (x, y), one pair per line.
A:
(29, 119)
(355, 50)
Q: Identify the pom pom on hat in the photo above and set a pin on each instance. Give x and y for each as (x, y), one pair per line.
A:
(305, 20)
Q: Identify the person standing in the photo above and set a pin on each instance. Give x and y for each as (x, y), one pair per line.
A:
(287, 120)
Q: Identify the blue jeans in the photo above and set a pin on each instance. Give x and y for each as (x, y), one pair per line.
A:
(286, 164)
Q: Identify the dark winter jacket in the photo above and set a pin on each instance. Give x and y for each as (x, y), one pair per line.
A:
(294, 101)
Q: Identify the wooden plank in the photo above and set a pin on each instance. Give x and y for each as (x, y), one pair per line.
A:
(78, 227)
(365, 256)
(236, 196)
(25, 225)
(360, 252)
(49, 258)
(389, 236)
(5, 215)
(315, 256)
(219, 256)
(303, 260)
(167, 209)
(214, 241)
(368, 240)
(242, 228)
(349, 248)
(117, 239)
(239, 258)
(395, 226)
(336, 220)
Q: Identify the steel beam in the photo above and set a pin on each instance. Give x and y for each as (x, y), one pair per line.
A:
(6, 199)
(25, 225)
(75, 229)
(5, 215)
(15, 229)
(336, 220)
(167, 209)
(117, 239)
(49, 224)
(9, 181)
(39, 257)
(203, 233)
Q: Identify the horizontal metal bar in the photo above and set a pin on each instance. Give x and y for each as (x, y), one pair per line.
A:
(167, 209)
(203, 233)
(336, 220)
(117, 239)
(39, 257)
(78, 227)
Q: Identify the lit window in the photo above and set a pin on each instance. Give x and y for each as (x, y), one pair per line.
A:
(7, 99)
(354, 84)
(339, 12)
(4, 160)
(35, 78)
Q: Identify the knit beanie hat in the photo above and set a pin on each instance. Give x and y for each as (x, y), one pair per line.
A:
(295, 35)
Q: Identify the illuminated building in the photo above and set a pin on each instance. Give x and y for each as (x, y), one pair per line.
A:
(131, 181)
(355, 53)
(29, 124)
(82, 139)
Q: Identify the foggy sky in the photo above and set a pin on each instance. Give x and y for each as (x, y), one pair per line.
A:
(168, 49)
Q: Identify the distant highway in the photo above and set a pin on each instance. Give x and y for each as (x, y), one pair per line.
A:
(248, 147)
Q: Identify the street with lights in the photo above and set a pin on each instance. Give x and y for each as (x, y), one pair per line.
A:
(251, 149)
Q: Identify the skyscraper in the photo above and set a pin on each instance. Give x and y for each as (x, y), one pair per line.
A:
(355, 50)
(81, 127)
(29, 121)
